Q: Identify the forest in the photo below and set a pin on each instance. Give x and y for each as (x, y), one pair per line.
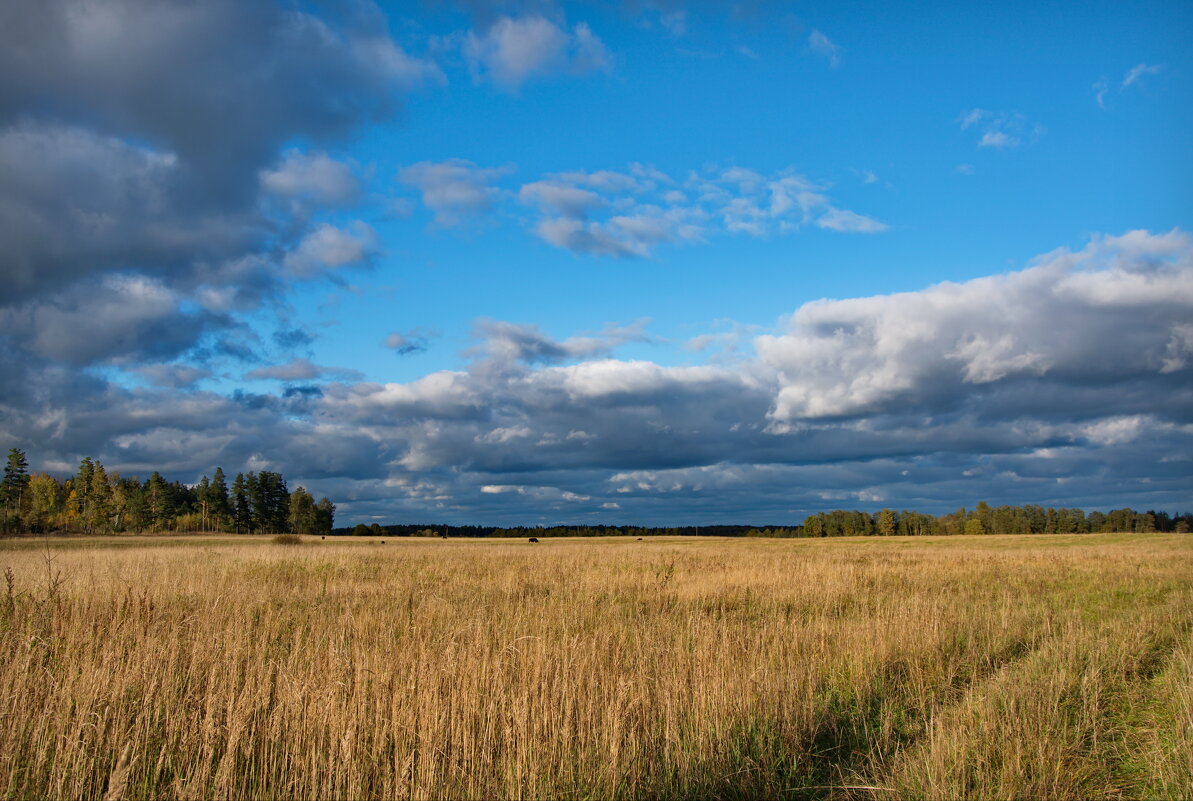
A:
(95, 501)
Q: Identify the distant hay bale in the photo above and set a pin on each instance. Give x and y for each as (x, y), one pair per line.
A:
(287, 539)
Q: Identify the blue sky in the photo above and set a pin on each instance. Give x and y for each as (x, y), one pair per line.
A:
(531, 262)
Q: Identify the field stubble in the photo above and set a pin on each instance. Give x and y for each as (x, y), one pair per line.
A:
(933, 668)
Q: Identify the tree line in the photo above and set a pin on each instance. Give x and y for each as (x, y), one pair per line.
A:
(982, 519)
(95, 501)
(986, 519)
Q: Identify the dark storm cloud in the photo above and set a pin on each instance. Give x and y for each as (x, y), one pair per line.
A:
(130, 318)
(141, 142)
(222, 83)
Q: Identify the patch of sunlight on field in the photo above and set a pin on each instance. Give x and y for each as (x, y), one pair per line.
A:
(170, 667)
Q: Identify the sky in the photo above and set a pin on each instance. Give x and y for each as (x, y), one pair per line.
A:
(663, 263)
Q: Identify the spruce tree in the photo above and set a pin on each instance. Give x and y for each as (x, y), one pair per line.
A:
(16, 481)
(242, 510)
(160, 501)
(221, 510)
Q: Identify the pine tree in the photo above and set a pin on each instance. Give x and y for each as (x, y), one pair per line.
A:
(100, 496)
(15, 483)
(242, 510)
(221, 510)
(160, 501)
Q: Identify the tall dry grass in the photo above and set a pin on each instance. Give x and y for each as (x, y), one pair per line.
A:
(987, 667)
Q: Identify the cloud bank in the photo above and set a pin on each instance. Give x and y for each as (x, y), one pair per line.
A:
(1067, 382)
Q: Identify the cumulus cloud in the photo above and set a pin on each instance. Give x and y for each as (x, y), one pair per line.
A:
(561, 198)
(312, 176)
(516, 50)
(328, 248)
(1069, 317)
(456, 190)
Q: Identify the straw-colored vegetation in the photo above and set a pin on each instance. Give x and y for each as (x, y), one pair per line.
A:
(993, 667)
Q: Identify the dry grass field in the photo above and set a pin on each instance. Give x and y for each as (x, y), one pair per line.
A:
(993, 667)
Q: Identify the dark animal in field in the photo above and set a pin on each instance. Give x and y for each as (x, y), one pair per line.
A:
(534, 539)
(323, 538)
(639, 539)
(383, 542)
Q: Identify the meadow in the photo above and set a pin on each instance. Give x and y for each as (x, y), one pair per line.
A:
(853, 668)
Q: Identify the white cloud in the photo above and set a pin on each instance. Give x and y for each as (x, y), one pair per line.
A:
(514, 51)
(383, 55)
(560, 198)
(1132, 77)
(455, 190)
(328, 247)
(675, 22)
(1101, 87)
(312, 176)
(1139, 71)
(823, 46)
(1000, 130)
(849, 222)
(1068, 314)
(999, 140)
(607, 213)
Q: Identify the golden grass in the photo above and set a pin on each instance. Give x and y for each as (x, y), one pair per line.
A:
(993, 667)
